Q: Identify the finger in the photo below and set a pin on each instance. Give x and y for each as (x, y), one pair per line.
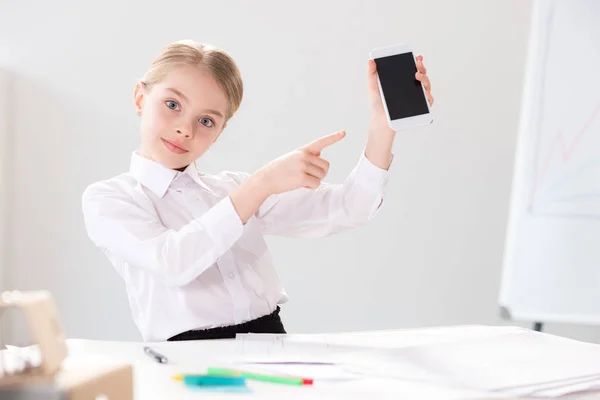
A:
(372, 83)
(421, 68)
(372, 67)
(318, 161)
(313, 170)
(424, 79)
(430, 99)
(310, 182)
(318, 145)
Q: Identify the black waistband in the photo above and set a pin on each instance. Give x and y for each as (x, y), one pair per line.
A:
(270, 323)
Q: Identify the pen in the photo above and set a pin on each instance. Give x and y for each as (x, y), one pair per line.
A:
(286, 380)
(154, 354)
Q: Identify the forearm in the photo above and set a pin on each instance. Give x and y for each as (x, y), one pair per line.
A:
(379, 143)
(249, 196)
(330, 209)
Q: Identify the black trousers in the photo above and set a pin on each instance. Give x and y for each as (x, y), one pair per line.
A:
(268, 324)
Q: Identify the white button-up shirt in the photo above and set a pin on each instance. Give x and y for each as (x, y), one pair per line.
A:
(187, 260)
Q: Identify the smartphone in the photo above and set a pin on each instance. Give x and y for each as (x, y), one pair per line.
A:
(403, 95)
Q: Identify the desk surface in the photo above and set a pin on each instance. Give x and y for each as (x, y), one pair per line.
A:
(153, 380)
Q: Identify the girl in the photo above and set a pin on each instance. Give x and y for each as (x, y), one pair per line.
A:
(190, 246)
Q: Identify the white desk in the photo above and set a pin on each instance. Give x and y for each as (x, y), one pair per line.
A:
(153, 380)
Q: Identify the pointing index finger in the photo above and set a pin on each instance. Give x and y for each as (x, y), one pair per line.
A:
(318, 145)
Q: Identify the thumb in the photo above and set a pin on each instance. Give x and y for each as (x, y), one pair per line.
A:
(318, 145)
(373, 85)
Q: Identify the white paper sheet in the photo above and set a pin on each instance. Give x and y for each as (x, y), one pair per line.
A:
(552, 389)
(318, 372)
(504, 360)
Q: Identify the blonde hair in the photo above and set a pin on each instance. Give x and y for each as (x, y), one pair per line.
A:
(212, 59)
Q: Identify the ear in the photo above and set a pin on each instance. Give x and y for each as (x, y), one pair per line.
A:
(138, 97)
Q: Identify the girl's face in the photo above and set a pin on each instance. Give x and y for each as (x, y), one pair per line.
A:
(181, 116)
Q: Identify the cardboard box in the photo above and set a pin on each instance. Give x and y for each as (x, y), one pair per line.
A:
(78, 381)
(54, 376)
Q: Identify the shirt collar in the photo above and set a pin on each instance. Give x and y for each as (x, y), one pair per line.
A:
(154, 176)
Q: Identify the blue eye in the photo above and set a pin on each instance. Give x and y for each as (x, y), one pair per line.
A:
(173, 105)
(207, 122)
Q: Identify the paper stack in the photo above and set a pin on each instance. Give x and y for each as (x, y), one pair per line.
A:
(499, 360)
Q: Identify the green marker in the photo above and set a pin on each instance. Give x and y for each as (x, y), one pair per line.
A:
(285, 380)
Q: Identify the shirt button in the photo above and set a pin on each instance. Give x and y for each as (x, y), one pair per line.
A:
(231, 275)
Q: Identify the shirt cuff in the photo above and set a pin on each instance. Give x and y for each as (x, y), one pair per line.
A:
(267, 205)
(370, 176)
(223, 225)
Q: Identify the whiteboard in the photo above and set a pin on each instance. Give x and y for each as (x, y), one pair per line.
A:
(551, 267)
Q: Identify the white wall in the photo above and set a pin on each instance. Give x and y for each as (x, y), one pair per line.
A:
(5, 173)
(434, 254)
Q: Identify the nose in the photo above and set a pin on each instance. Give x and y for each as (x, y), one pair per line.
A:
(186, 132)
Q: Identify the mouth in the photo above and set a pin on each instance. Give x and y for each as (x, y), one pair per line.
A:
(172, 147)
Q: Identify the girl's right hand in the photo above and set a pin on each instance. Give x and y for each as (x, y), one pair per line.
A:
(300, 168)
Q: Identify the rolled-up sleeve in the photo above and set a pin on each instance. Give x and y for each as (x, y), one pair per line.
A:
(328, 209)
(118, 225)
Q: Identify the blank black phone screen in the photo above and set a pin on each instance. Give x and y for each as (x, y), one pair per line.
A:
(402, 91)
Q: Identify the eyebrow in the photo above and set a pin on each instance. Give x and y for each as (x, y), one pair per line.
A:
(178, 93)
(208, 111)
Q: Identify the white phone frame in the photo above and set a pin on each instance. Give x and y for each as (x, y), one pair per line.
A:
(408, 122)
